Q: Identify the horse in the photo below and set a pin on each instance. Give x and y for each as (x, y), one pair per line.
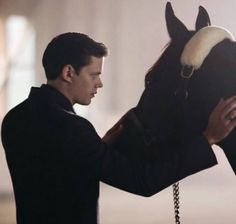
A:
(196, 69)
(179, 92)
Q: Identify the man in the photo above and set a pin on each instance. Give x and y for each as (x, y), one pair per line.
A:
(55, 157)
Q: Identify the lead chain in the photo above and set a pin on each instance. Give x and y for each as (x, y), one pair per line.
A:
(176, 201)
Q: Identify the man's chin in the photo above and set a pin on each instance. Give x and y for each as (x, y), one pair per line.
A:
(84, 103)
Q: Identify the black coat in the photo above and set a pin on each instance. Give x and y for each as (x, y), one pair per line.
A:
(56, 160)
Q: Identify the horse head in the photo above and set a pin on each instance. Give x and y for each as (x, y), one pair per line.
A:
(197, 68)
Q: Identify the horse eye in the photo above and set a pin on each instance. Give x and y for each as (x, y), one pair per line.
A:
(147, 83)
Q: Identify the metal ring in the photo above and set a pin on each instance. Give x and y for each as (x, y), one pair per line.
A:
(230, 117)
(188, 76)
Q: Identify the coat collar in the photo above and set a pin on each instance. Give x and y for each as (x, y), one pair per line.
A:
(52, 95)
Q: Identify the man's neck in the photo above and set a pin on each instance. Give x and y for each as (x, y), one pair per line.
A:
(61, 87)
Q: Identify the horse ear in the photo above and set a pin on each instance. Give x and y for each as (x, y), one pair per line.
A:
(175, 27)
(203, 18)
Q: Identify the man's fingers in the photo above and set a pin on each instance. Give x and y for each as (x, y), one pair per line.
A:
(229, 108)
(118, 129)
(220, 105)
(232, 124)
(230, 99)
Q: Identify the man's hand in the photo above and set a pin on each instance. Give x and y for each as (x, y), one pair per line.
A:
(116, 130)
(222, 121)
(113, 133)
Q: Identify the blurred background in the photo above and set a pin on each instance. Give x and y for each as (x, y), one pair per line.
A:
(135, 33)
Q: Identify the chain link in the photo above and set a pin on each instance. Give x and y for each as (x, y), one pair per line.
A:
(176, 201)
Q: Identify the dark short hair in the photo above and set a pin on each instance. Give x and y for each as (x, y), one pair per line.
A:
(75, 49)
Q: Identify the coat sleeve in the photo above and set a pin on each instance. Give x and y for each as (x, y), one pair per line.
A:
(124, 164)
(136, 163)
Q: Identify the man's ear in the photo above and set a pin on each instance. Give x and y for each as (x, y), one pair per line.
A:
(67, 73)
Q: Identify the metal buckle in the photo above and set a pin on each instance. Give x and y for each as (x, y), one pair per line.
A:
(187, 68)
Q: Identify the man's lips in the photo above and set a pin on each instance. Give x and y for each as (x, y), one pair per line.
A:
(93, 94)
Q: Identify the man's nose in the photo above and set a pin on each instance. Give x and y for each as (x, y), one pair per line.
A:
(99, 84)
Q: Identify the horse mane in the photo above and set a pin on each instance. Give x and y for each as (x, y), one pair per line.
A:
(169, 58)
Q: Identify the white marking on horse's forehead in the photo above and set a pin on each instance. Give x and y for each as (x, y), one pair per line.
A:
(200, 45)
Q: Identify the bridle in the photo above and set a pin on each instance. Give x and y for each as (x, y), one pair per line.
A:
(195, 52)
(192, 57)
